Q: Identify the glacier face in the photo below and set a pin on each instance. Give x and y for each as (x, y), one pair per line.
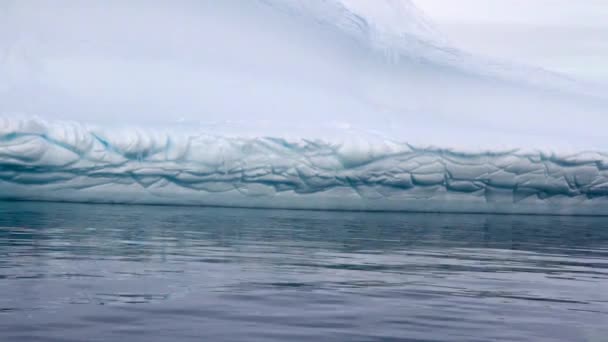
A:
(325, 104)
(69, 162)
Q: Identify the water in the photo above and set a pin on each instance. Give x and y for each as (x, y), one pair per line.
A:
(73, 272)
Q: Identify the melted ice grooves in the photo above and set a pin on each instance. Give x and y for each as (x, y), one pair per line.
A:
(39, 160)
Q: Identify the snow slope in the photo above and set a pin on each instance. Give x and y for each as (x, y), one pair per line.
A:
(326, 104)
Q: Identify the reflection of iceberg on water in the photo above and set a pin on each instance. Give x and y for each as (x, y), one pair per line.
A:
(344, 104)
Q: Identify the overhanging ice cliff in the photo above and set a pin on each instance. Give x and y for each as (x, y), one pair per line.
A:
(344, 104)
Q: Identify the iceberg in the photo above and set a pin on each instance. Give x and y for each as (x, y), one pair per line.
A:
(300, 104)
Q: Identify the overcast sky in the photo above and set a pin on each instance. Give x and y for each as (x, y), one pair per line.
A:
(569, 36)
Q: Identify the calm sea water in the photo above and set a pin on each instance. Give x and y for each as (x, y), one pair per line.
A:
(71, 272)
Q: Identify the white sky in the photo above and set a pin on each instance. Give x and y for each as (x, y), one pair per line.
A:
(568, 36)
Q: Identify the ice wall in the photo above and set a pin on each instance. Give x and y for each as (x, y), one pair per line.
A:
(372, 78)
(68, 162)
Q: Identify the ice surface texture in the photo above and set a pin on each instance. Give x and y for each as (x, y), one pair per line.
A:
(329, 104)
(67, 162)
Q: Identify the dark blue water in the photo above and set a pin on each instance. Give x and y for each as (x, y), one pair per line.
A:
(72, 272)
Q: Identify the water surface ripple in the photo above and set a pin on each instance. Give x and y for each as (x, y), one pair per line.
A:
(75, 272)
